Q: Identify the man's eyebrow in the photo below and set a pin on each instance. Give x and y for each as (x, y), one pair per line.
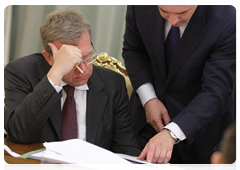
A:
(162, 9)
(87, 53)
(183, 11)
(175, 13)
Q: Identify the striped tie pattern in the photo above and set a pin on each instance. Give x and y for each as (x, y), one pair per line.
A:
(69, 115)
(171, 45)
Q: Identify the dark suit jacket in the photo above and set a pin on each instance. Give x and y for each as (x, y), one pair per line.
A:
(33, 107)
(199, 91)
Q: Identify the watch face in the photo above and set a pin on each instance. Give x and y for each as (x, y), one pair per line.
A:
(173, 136)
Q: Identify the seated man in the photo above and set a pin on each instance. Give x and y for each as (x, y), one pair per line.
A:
(48, 99)
(225, 152)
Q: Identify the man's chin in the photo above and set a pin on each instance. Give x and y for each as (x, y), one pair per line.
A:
(78, 83)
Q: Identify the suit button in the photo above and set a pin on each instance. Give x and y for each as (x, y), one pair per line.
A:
(45, 95)
(167, 93)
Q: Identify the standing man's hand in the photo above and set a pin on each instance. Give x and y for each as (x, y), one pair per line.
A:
(159, 148)
(156, 114)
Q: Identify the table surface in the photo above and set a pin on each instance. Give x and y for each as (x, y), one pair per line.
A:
(30, 164)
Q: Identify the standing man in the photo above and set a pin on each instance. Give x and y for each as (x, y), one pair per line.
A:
(48, 99)
(182, 64)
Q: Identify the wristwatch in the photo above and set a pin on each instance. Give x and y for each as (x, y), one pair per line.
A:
(174, 136)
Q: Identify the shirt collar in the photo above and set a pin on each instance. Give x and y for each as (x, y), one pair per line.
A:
(83, 87)
(168, 27)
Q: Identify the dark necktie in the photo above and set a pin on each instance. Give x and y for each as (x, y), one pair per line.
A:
(69, 115)
(171, 44)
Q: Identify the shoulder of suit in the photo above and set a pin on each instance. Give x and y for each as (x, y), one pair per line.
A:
(30, 60)
(104, 72)
(142, 10)
(29, 66)
(219, 13)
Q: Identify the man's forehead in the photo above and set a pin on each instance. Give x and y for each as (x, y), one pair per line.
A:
(178, 9)
(59, 44)
(84, 52)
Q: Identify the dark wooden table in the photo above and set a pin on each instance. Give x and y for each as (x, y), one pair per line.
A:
(30, 164)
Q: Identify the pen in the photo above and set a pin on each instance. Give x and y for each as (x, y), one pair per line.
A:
(78, 68)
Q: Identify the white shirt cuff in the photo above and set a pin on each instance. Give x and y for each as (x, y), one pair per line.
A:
(57, 88)
(176, 130)
(146, 92)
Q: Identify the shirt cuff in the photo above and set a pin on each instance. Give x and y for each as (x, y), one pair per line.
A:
(176, 130)
(146, 92)
(57, 88)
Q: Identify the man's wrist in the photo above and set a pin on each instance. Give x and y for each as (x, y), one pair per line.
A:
(54, 77)
(57, 88)
(176, 130)
(173, 136)
(146, 92)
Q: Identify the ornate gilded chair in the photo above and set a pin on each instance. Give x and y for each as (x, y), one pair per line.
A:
(103, 60)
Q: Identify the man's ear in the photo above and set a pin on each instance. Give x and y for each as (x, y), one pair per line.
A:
(217, 158)
(48, 57)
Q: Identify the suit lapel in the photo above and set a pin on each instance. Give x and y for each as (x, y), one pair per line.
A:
(156, 31)
(44, 70)
(191, 38)
(56, 113)
(96, 103)
(56, 119)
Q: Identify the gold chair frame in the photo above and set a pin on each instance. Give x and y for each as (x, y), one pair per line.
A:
(103, 60)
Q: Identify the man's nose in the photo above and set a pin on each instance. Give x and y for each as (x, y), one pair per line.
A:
(83, 67)
(173, 19)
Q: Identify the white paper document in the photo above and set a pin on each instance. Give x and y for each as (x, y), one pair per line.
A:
(11, 152)
(76, 151)
(134, 160)
(90, 156)
(144, 162)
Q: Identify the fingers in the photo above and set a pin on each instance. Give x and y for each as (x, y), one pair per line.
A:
(159, 124)
(152, 123)
(53, 48)
(155, 155)
(151, 152)
(168, 157)
(157, 150)
(166, 118)
(143, 153)
(156, 114)
(157, 121)
(65, 57)
(67, 50)
(162, 157)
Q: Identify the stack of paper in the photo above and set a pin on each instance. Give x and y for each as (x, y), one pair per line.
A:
(76, 151)
(134, 160)
(90, 156)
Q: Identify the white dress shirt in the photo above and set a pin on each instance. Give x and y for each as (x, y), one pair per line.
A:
(80, 96)
(146, 91)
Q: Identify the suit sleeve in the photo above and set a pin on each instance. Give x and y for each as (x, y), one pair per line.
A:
(218, 87)
(124, 138)
(134, 53)
(26, 107)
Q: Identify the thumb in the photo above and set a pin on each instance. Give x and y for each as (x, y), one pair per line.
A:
(53, 48)
(143, 153)
(159, 125)
(166, 118)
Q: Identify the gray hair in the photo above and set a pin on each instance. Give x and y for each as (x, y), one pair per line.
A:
(65, 26)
